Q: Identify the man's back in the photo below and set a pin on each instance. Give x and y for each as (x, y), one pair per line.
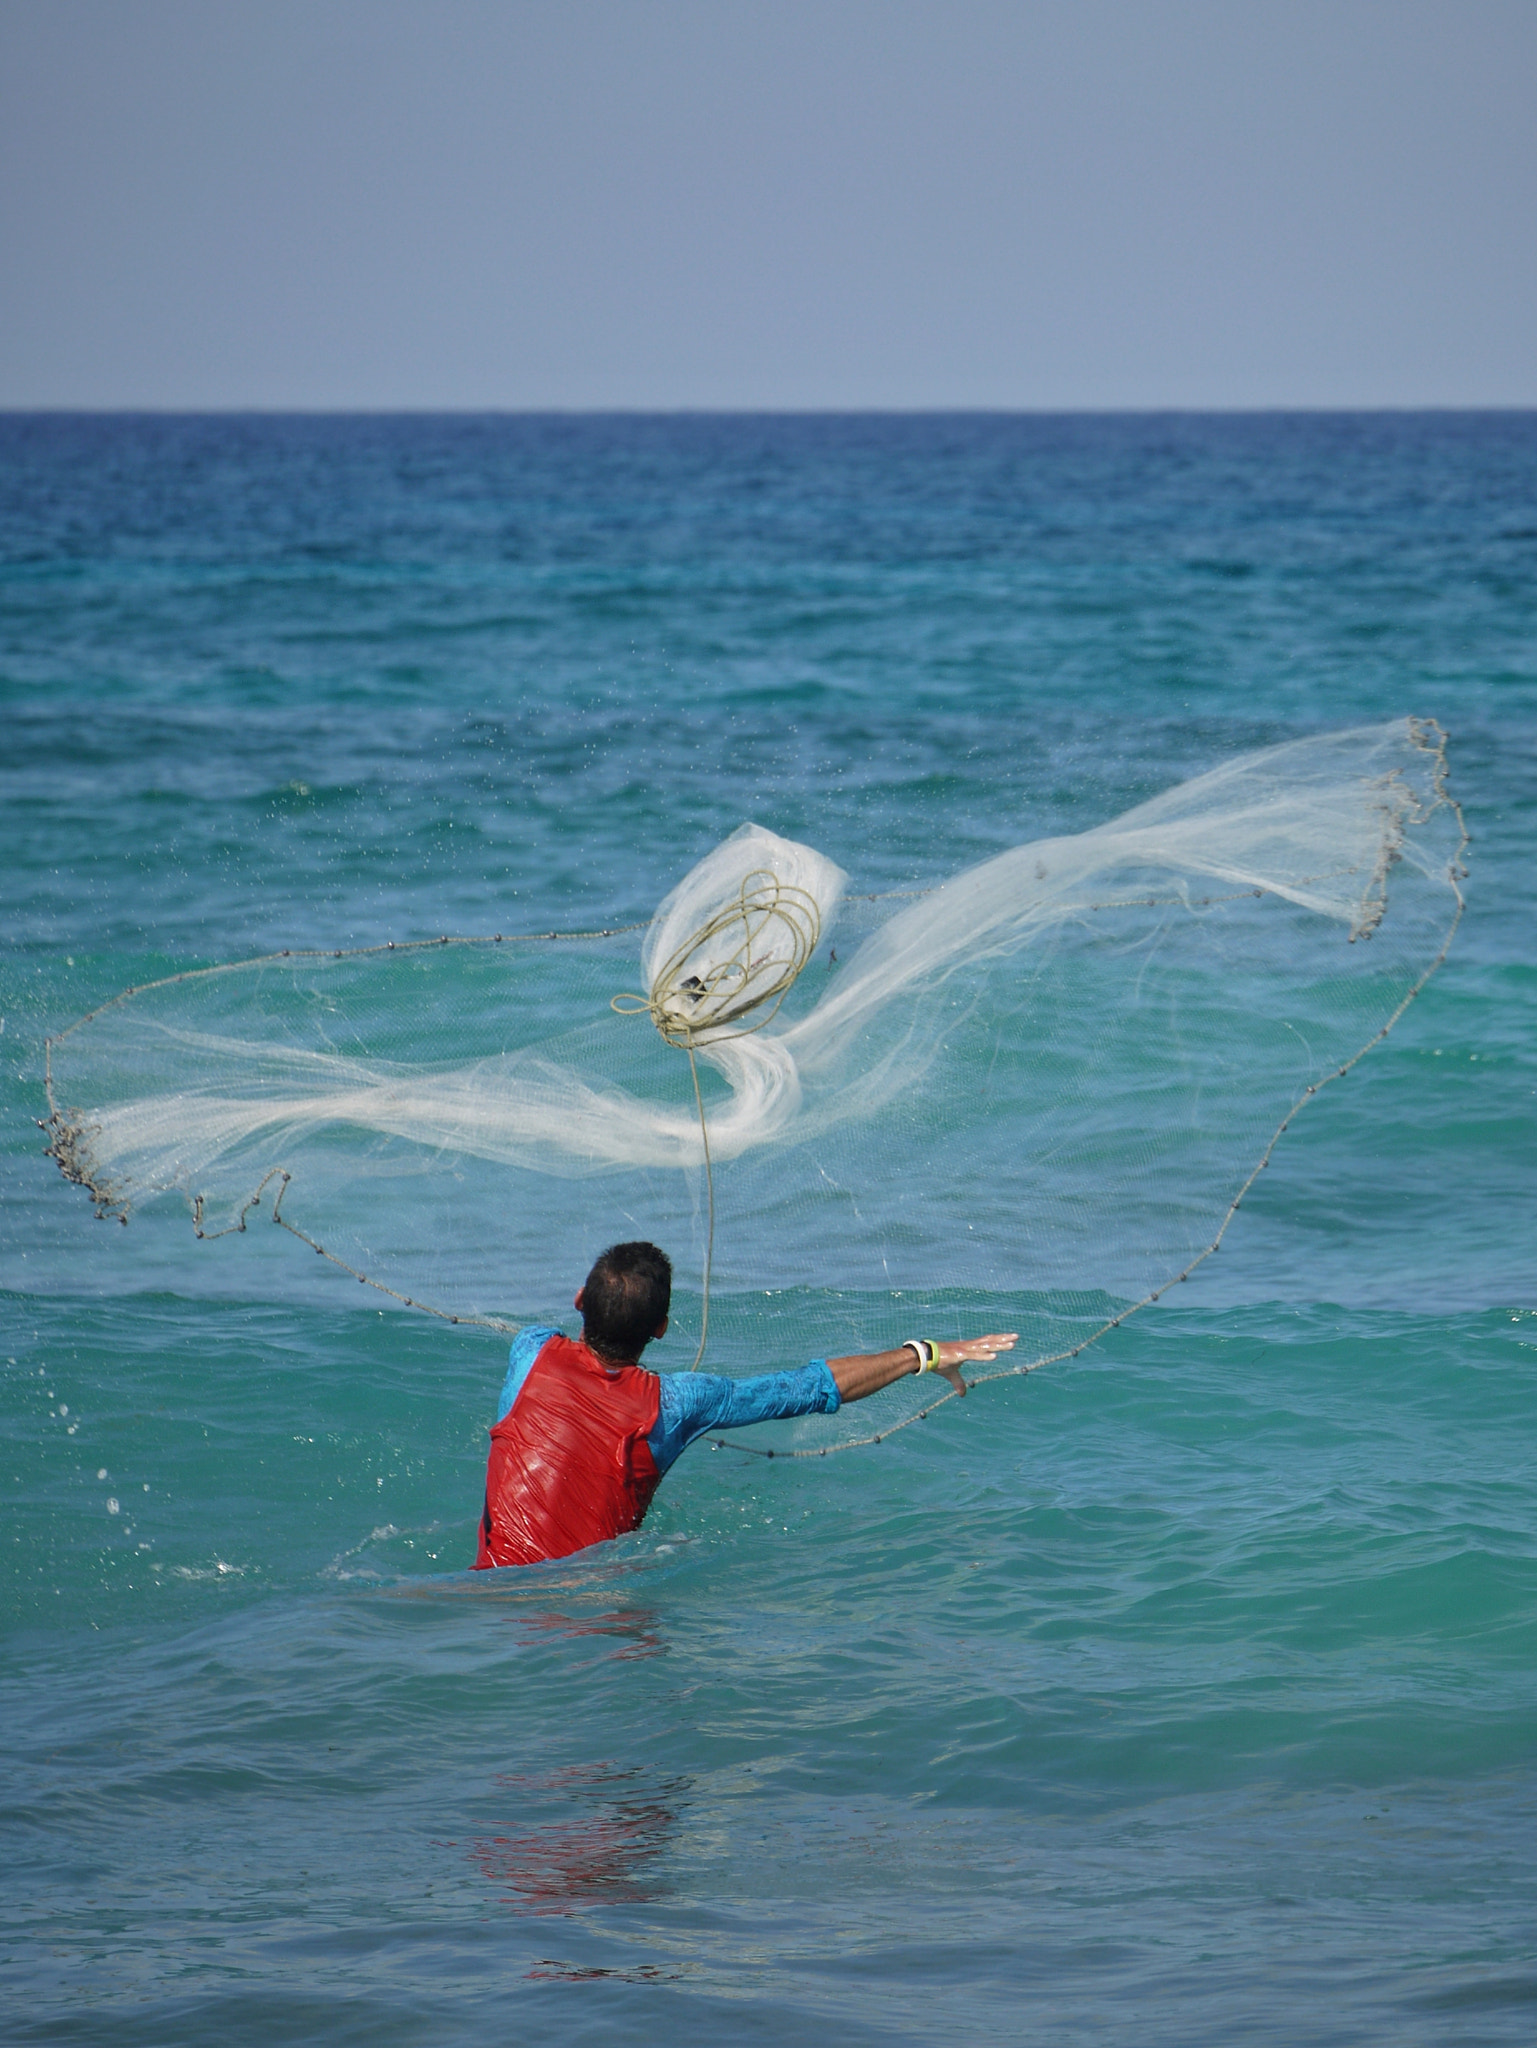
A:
(570, 1462)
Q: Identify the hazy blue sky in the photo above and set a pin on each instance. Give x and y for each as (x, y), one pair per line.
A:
(508, 203)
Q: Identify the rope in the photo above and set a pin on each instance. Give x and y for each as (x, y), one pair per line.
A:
(709, 1236)
(690, 1008)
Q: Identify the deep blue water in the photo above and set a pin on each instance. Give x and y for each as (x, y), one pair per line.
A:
(1185, 1694)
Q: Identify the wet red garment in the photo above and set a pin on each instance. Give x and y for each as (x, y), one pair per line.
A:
(569, 1464)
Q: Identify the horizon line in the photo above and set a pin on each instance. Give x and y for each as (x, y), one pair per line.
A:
(243, 411)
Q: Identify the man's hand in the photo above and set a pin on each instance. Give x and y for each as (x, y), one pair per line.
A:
(971, 1351)
(866, 1374)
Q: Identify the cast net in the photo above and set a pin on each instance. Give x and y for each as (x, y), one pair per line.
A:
(1030, 1097)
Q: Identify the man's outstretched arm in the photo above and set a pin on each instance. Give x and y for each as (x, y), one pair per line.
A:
(693, 1402)
(866, 1373)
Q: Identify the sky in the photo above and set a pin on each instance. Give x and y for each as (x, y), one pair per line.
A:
(744, 204)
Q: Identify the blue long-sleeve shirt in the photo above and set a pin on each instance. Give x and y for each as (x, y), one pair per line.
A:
(693, 1402)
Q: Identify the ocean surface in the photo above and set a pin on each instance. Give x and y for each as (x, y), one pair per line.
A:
(1183, 1694)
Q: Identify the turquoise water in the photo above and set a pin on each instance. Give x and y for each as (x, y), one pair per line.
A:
(1185, 1694)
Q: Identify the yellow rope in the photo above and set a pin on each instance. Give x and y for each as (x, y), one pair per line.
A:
(688, 1008)
(691, 1009)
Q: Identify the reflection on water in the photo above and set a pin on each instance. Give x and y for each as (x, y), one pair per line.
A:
(636, 1626)
(603, 1854)
(549, 1968)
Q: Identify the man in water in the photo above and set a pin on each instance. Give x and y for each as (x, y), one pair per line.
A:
(584, 1434)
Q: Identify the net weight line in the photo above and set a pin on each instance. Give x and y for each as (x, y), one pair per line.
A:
(67, 1133)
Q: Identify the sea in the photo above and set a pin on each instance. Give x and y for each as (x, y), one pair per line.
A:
(1184, 1693)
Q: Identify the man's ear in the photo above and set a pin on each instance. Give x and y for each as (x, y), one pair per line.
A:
(579, 1293)
(661, 1328)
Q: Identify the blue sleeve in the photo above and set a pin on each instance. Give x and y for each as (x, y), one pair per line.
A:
(526, 1347)
(693, 1402)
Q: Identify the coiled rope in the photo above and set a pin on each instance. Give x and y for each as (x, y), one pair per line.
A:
(742, 961)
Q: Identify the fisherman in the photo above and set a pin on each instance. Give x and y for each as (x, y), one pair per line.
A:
(584, 1433)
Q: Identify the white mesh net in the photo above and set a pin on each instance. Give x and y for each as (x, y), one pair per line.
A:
(1029, 1098)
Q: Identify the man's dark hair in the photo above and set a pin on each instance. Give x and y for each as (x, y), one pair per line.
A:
(624, 1298)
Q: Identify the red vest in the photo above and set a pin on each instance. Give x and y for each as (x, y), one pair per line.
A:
(569, 1464)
